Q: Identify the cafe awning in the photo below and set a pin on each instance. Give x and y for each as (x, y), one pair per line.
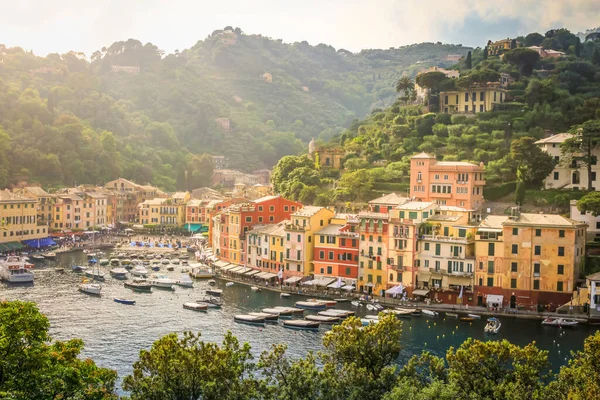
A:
(420, 292)
(37, 243)
(459, 280)
(349, 287)
(228, 267)
(253, 272)
(221, 264)
(370, 285)
(324, 281)
(10, 246)
(266, 275)
(423, 276)
(240, 269)
(293, 279)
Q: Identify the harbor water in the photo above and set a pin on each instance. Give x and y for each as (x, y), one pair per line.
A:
(114, 333)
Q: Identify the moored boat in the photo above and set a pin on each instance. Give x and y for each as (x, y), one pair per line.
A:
(212, 302)
(50, 256)
(270, 318)
(323, 319)
(90, 288)
(139, 285)
(293, 310)
(311, 305)
(301, 324)
(195, 306)
(400, 313)
(78, 268)
(16, 269)
(255, 288)
(114, 261)
(214, 292)
(560, 322)
(467, 319)
(249, 319)
(430, 313)
(95, 275)
(328, 303)
(475, 316)
(37, 257)
(185, 281)
(229, 284)
(161, 281)
(124, 301)
(59, 269)
(139, 270)
(118, 273)
(201, 272)
(284, 295)
(279, 312)
(210, 282)
(104, 261)
(451, 315)
(336, 313)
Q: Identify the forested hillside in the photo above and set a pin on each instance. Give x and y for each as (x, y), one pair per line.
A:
(68, 120)
(547, 96)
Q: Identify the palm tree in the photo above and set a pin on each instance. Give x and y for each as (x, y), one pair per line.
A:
(406, 85)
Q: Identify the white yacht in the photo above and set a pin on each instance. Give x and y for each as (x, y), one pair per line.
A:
(161, 281)
(90, 288)
(16, 269)
(140, 271)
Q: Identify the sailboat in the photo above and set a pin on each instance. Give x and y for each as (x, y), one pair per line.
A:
(90, 288)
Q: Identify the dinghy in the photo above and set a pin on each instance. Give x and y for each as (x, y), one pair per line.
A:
(195, 306)
(124, 301)
(301, 324)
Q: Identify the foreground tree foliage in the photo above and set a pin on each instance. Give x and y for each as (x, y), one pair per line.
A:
(357, 362)
(34, 367)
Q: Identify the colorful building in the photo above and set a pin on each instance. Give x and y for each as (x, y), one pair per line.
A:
(19, 221)
(326, 157)
(448, 183)
(472, 100)
(387, 202)
(336, 249)
(373, 247)
(265, 247)
(44, 202)
(528, 259)
(299, 244)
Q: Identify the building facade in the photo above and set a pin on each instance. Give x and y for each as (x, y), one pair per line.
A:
(336, 249)
(19, 220)
(472, 100)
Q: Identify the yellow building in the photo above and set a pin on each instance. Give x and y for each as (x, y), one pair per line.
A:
(44, 200)
(149, 211)
(18, 221)
(473, 100)
(373, 252)
(326, 157)
(530, 259)
(501, 46)
(265, 247)
(299, 243)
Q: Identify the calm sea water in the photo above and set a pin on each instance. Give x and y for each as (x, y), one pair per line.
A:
(114, 333)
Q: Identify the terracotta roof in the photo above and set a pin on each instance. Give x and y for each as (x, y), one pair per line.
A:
(265, 198)
(392, 198)
(6, 196)
(307, 211)
(423, 155)
(558, 138)
(543, 219)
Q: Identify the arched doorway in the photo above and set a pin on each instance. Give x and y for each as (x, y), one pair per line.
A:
(513, 301)
(575, 178)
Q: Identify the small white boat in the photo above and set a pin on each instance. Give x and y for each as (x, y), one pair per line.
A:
(342, 314)
(95, 275)
(59, 269)
(118, 273)
(493, 325)
(430, 313)
(451, 315)
(228, 284)
(255, 288)
(249, 319)
(356, 303)
(90, 288)
(301, 324)
(371, 307)
(114, 261)
(323, 319)
(185, 281)
(195, 306)
(211, 302)
(104, 261)
(50, 256)
(139, 270)
(311, 305)
(283, 295)
(368, 321)
(270, 318)
(476, 316)
(214, 292)
(161, 281)
(560, 322)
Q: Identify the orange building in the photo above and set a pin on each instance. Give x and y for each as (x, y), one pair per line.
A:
(449, 183)
(336, 249)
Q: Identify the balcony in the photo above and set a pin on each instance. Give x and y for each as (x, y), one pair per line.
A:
(448, 239)
(294, 227)
(441, 195)
(479, 182)
(453, 273)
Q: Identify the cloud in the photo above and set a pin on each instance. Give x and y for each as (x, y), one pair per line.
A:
(86, 25)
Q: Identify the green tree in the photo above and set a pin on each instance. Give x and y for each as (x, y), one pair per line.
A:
(355, 186)
(280, 178)
(189, 368)
(533, 39)
(405, 85)
(580, 148)
(33, 367)
(520, 193)
(532, 164)
(524, 58)
(469, 61)
(596, 57)
(590, 202)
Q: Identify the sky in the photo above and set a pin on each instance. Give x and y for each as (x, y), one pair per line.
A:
(58, 26)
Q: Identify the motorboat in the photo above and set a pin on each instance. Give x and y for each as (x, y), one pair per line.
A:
(342, 300)
(124, 301)
(284, 295)
(104, 261)
(328, 303)
(139, 285)
(467, 319)
(118, 273)
(293, 310)
(356, 303)
(95, 275)
(415, 313)
(50, 256)
(201, 272)
(195, 306)
(249, 319)
(170, 268)
(214, 292)
(279, 312)
(165, 261)
(475, 316)
(59, 269)
(371, 307)
(493, 325)
(115, 261)
(301, 324)
(451, 315)
(126, 261)
(430, 313)
(269, 318)
(38, 257)
(336, 313)
(139, 270)
(368, 321)
(78, 268)
(185, 281)
(16, 269)
(212, 302)
(311, 305)
(255, 288)
(399, 312)
(211, 282)
(161, 281)
(560, 322)
(175, 261)
(323, 319)
(90, 288)
(155, 268)
(229, 284)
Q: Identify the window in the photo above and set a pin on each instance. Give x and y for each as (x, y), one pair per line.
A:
(494, 96)
(536, 269)
(481, 96)
(331, 255)
(513, 283)
(490, 269)
(260, 208)
(561, 233)
(299, 255)
(348, 270)
(560, 269)
(445, 99)
(438, 248)
(285, 208)
(536, 284)
(561, 251)
(491, 249)
(515, 231)
(556, 175)
(271, 208)
(342, 242)
(538, 232)
(426, 246)
(321, 255)
(288, 237)
(271, 218)
(413, 215)
(481, 108)
(329, 269)
(466, 96)
(299, 238)
(515, 249)
(490, 281)
(559, 286)
(467, 107)
(514, 267)
(321, 239)
(537, 250)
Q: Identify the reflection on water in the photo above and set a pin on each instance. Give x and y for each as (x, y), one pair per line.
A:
(114, 333)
